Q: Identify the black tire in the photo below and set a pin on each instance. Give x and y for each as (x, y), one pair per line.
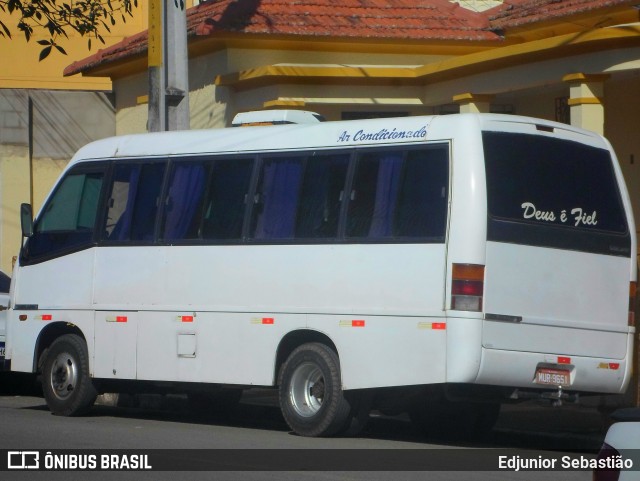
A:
(360, 403)
(311, 397)
(66, 384)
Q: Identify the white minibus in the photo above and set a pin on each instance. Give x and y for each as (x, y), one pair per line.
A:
(438, 265)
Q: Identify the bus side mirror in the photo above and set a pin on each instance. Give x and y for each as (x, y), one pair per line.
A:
(26, 220)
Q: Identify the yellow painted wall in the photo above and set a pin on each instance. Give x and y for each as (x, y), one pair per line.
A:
(14, 190)
(21, 69)
(19, 58)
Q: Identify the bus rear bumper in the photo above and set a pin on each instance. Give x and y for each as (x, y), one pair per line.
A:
(540, 371)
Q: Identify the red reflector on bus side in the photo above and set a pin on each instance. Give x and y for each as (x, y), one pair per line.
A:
(357, 323)
(438, 325)
(121, 318)
(564, 360)
(267, 320)
(187, 318)
(614, 366)
(47, 317)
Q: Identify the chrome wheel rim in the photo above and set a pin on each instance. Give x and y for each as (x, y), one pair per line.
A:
(64, 376)
(306, 389)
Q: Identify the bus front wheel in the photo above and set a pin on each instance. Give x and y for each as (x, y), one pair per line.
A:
(311, 397)
(66, 383)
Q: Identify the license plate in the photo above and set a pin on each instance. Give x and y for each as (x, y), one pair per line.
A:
(553, 377)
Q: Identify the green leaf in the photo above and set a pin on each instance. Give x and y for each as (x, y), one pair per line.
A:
(45, 53)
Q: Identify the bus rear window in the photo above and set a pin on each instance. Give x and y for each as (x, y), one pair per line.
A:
(552, 192)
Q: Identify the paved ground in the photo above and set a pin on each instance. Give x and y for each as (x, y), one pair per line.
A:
(576, 426)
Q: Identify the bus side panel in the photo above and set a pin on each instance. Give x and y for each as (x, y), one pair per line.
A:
(235, 304)
(378, 351)
(115, 349)
(128, 276)
(464, 350)
(212, 347)
(240, 348)
(381, 279)
(63, 282)
(60, 291)
(23, 335)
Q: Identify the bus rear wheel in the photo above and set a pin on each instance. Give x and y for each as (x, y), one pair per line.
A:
(311, 397)
(66, 383)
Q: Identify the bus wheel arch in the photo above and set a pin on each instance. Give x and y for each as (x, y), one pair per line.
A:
(47, 337)
(293, 340)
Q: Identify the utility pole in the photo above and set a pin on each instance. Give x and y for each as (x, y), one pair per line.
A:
(168, 66)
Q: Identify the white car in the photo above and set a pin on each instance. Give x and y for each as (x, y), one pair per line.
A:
(619, 456)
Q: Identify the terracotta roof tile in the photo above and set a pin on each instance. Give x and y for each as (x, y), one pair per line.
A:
(522, 12)
(425, 20)
(383, 19)
(434, 19)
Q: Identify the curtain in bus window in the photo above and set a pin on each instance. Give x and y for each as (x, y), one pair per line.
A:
(278, 199)
(386, 193)
(184, 198)
(120, 214)
(373, 196)
(134, 218)
(400, 195)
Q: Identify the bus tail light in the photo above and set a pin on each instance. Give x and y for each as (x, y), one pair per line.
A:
(467, 287)
(632, 303)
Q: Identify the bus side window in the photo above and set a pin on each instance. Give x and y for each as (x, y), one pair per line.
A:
(133, 202)
(276, 199)
(373, 195)
(321, 196)
(226, 195)
(399, 195)
(206, 199)
(424, 195)
(183, 205)
(67, 221)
